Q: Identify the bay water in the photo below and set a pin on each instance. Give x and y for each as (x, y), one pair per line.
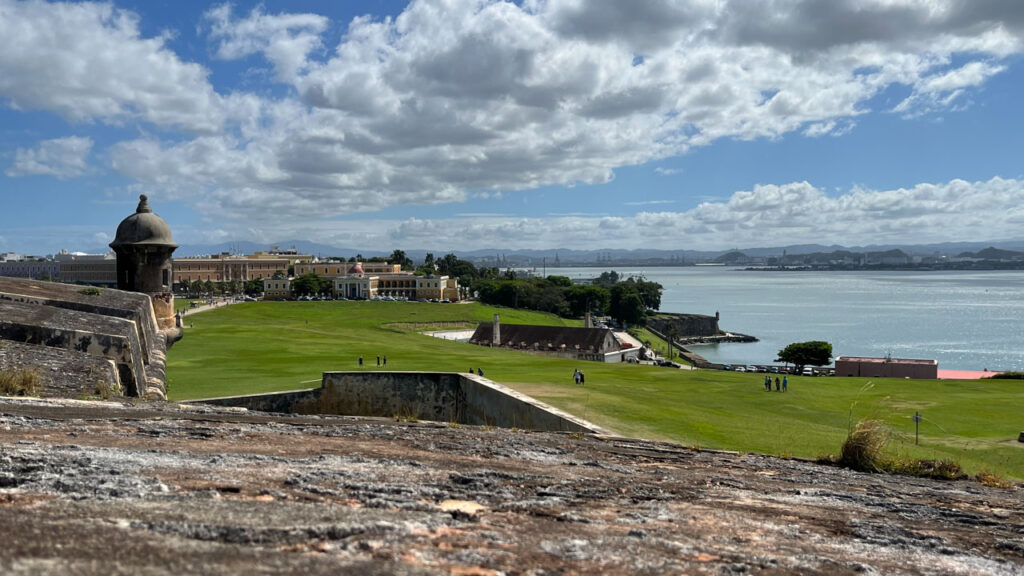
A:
(965, 320)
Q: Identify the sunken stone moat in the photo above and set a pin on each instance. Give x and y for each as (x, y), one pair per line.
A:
(438, 397)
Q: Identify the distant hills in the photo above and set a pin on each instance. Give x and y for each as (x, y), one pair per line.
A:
(1001, 251)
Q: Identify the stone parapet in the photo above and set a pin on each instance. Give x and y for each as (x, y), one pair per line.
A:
(113, 325)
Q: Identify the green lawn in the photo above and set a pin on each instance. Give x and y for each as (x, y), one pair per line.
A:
(267, 346)
(183, 304)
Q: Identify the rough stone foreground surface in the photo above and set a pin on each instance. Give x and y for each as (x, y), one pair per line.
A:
(101, 488)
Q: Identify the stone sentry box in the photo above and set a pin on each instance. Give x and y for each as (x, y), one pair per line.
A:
(435, 396)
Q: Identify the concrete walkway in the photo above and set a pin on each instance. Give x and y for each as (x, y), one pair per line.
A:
(205, 307)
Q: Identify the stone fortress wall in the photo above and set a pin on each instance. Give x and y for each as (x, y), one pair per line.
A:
(82, 341)
(434, 396)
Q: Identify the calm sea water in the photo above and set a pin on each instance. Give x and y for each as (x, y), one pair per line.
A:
(965, 320)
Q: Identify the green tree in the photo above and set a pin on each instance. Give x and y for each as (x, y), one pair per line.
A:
(399, 257)
(800, 354)
(584, 298)
(309, 284)
(626, 305)
(607, 279)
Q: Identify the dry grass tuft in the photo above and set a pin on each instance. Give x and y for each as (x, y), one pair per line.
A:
(862, 449)
(23, 382)
(994, 480)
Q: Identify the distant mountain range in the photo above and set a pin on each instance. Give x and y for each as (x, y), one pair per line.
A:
(981, 250)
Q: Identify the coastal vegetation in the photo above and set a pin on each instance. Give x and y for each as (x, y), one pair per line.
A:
(800, 354)
(627, 300)
(261, 347)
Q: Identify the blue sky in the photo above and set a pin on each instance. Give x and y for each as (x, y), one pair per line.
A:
(464, 124)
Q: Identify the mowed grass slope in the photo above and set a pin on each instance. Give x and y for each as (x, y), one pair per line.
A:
(269, 346)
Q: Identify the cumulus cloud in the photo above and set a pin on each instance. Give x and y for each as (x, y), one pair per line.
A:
(284, 39)
(88, 61)
(61, 157)
(463, 97)
(454, 99)
(765, 215)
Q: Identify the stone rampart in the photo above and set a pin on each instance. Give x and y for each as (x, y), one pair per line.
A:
(686, 325)
(113, 338)
(63, 373)
(108, 324)
(441, 397)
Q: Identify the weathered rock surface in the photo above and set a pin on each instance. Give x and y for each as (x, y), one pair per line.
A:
(102, 488)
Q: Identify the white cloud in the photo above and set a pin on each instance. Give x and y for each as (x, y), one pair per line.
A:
(648, 203)
(667, 171)
(461, 98)
(61, 157)
(469, 97)
(88, 61)
(766, 215)
(284, 39)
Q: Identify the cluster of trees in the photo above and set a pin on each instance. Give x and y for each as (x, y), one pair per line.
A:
(625, 300)
(196, 287)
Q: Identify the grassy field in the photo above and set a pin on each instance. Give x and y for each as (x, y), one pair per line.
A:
(269, 346)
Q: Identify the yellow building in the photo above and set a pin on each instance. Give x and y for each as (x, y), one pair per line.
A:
(367, 280)
(337, 268)
(277, 288)
(226, 268)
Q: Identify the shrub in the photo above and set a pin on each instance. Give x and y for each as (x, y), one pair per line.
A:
(862, 449)
(994, 480)
(941, 469)
(24, 382)
(91, 291)
(1007, 376)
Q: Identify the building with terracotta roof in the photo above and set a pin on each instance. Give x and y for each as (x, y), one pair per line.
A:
(594, 344)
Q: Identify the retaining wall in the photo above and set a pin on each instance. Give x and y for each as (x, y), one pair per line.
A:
(441, 397)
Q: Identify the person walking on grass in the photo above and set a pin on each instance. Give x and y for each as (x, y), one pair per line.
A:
(785, 383)
(777, 384)
(768, 383)
(581, 377)
(576, 377)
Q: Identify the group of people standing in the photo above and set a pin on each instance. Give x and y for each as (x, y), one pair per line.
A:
(577, 377)
(379, 359)
(768, 384)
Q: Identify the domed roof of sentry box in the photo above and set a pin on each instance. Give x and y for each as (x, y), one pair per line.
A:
(144, 228)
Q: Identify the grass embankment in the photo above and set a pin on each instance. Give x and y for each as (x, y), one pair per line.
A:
(269, 346)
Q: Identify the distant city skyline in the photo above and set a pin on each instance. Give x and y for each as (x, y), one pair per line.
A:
(465, 124)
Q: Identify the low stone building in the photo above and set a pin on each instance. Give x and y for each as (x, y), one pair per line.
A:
(594, 344)
(887, 367)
